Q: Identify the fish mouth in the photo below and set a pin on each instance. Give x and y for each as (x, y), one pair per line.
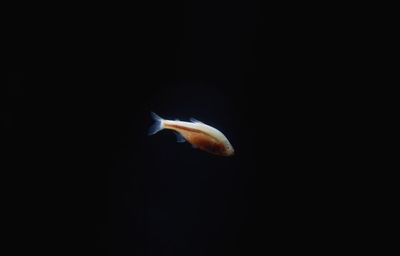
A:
(230, 152)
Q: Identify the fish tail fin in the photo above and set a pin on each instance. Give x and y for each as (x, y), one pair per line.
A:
(158, 124)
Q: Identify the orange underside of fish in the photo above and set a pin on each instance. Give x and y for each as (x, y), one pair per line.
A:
(200, 140)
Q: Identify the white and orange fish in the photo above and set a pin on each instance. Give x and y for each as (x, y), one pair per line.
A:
(198, 134)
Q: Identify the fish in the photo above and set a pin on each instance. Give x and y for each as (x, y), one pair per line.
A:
(198, 134)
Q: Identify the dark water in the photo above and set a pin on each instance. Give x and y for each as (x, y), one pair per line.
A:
(94, 182)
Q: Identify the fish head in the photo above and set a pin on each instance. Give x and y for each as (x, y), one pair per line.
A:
(221, 149)
(229, 151)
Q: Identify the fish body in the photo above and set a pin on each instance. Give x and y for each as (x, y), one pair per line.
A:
(198, 134)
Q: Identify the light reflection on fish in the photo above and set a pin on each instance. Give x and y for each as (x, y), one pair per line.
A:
(198, 134)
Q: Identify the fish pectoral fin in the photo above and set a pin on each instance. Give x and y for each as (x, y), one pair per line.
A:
(179, 137)
(194, 120)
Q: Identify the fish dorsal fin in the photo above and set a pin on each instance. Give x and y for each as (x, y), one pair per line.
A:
(194, 120)
(179, 137)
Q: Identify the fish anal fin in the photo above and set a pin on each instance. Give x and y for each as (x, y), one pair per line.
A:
(179, 137)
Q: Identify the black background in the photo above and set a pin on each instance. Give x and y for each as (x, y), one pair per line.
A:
(94, 182)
